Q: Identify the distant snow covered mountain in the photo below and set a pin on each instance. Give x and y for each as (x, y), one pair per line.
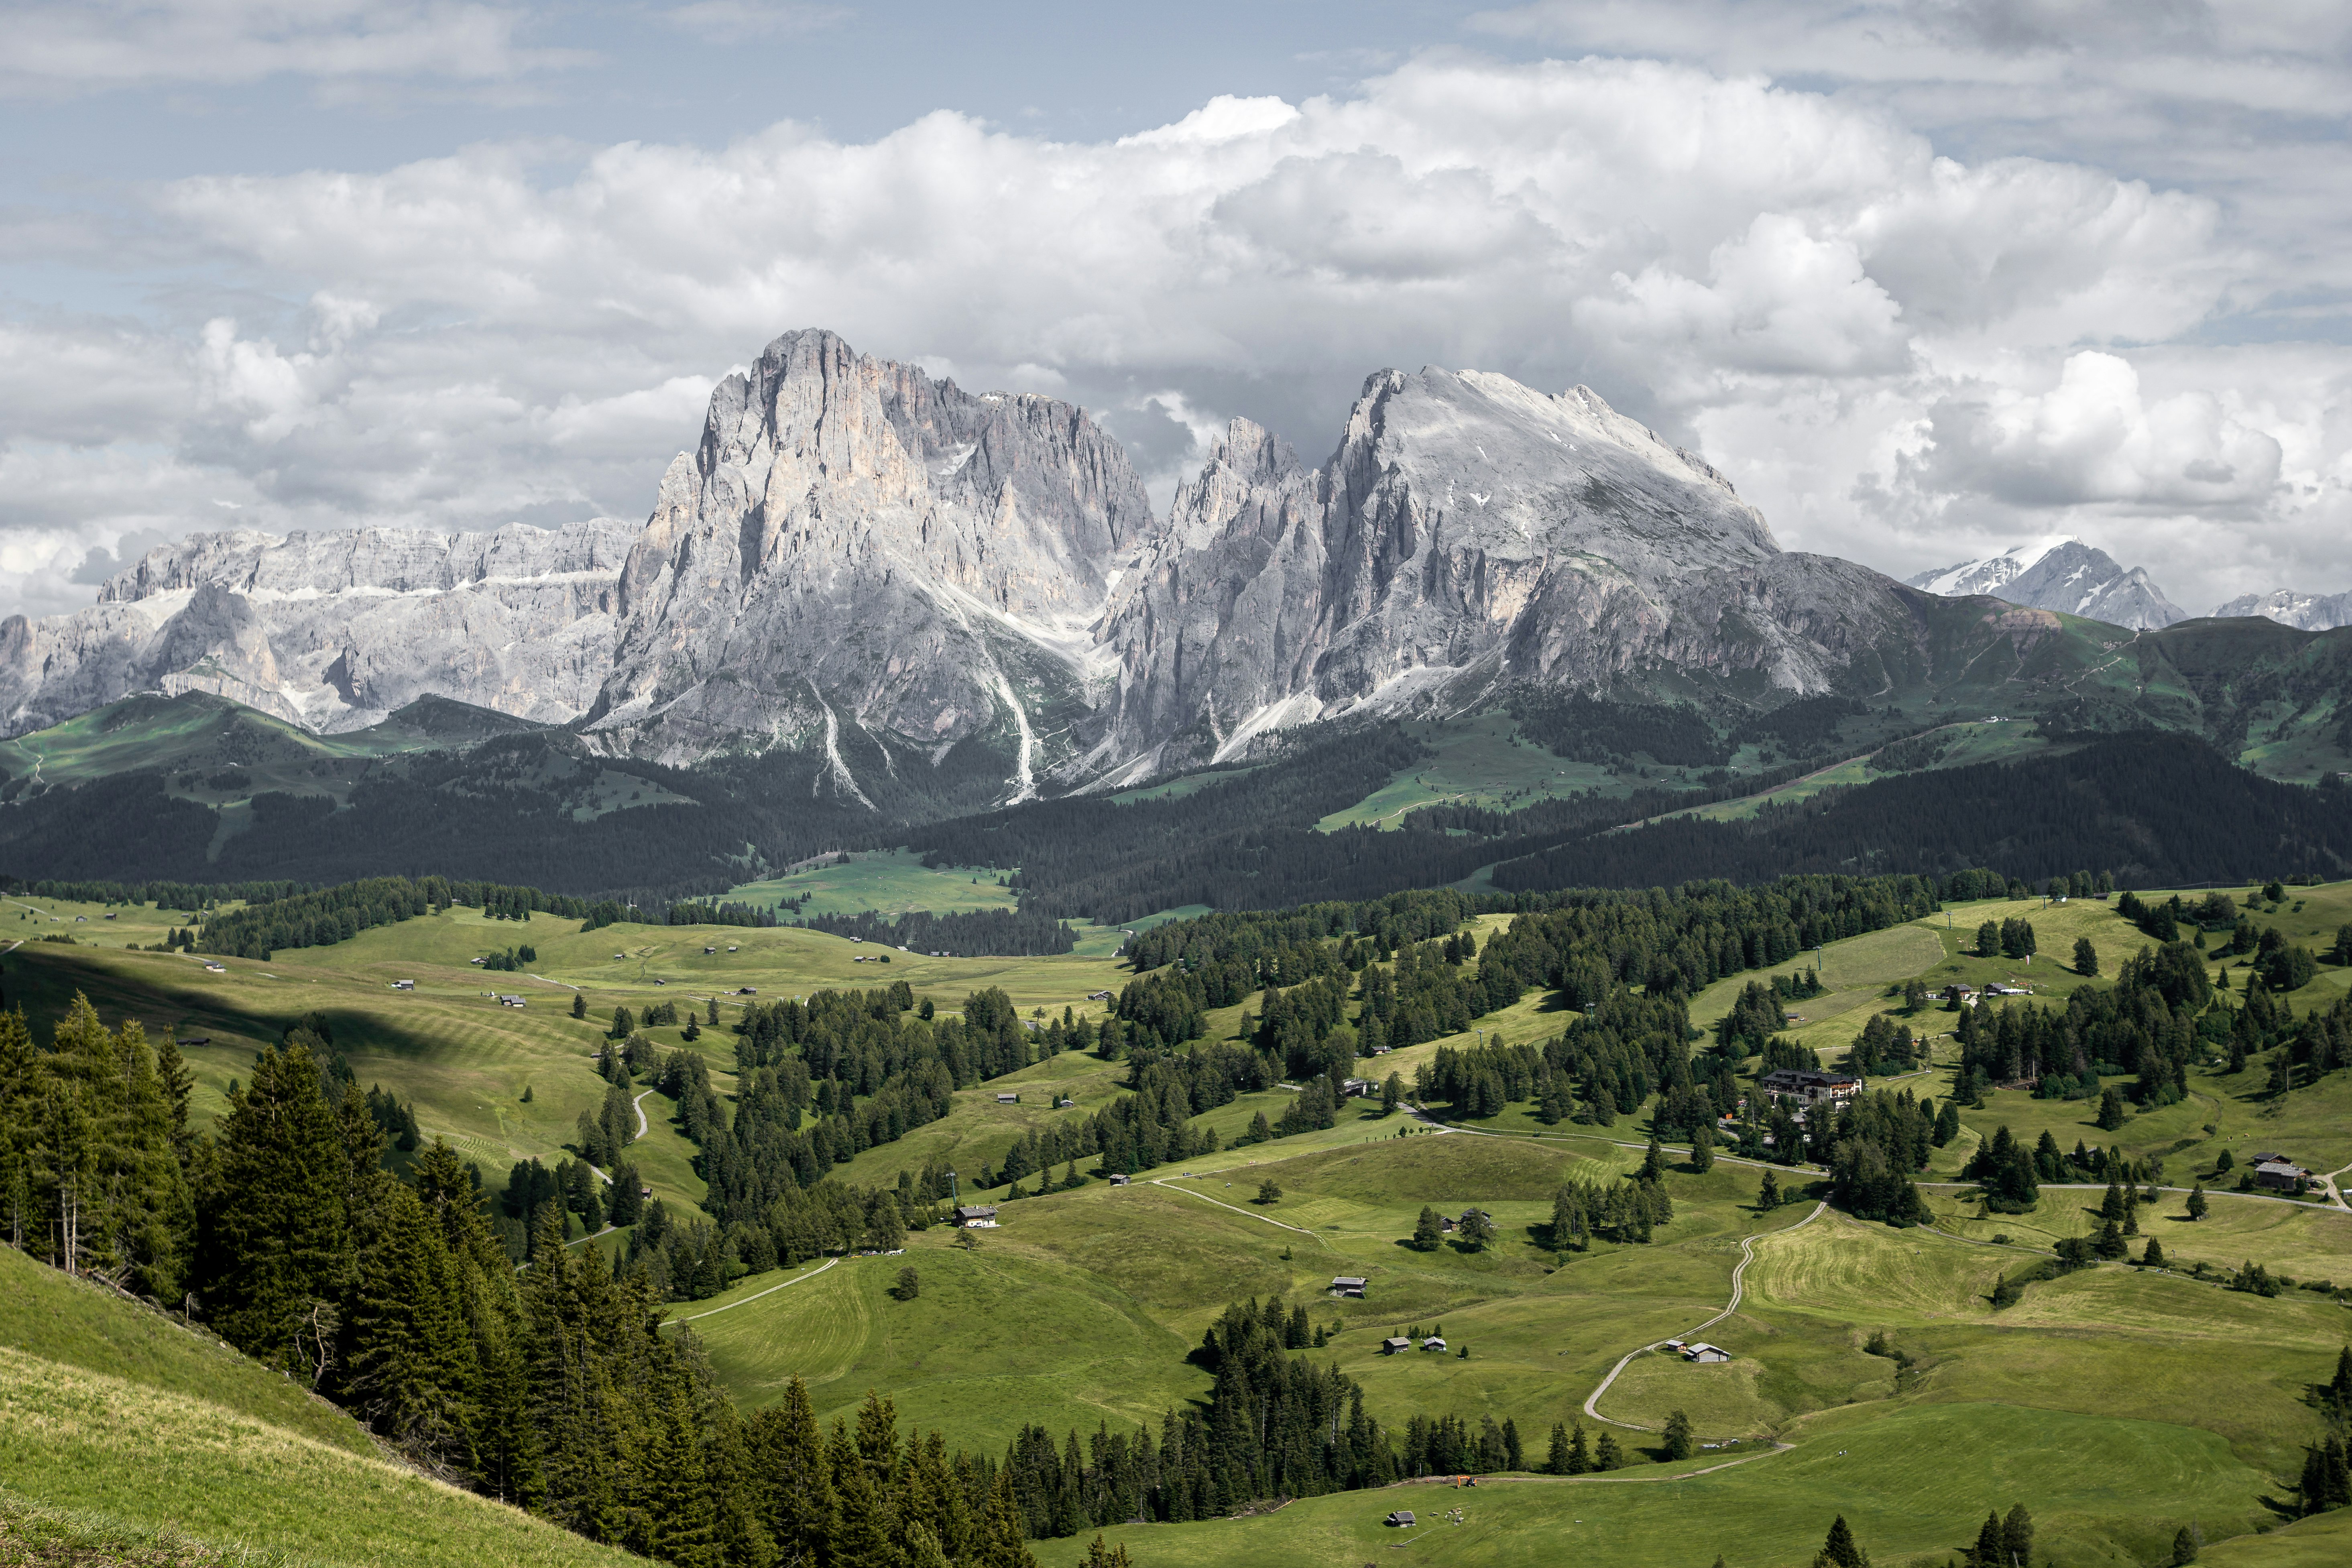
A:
(2061, 574)
(2305, 611)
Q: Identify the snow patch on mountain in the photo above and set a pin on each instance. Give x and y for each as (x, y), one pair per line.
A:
(2062, 573)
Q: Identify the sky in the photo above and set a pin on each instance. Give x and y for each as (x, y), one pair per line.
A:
(1926, 279)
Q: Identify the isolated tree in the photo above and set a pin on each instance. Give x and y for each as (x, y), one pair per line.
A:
(1268, 1193)
(579, 1003)
(2086, 956)
(910, 1284)
(2197, 1203)
(1477, 1228)
(1701, 1158)
(2111, 1109)
(2154, 1257)
(1427, 1231)
(1392, 1094)
(1841, 1550)
(1770, 1197)
(2184, 1547)
(1679, 1443)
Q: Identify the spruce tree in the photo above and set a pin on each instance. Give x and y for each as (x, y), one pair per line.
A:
(1555, 1457)
(273, 1235)
(2197, 1203)
(1679, 1442)
(795, 1479)
(1608, 1456)
(1580, 1459)
(2017, 1536)
(1769, 1198)
(1988, 1551)
(411, 1365)
(2184, 1547)
(1841, 1550)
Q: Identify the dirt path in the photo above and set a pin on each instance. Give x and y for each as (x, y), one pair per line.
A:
(639, 1105)
(768, 1291)
(1246, 1213)
(1746, 1256)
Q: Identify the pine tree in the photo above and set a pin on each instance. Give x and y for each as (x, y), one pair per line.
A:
(1989, 1552)
(2197, 1203)
(1579, 1459)
(1679, 1443)
(1841, 1550)
(1769, 1198)
(2154, 1257)
(2017, 1536)
(795, 1479)
(1608, 1456)
(412, 1368)
(2184, 1547)
(1427, 1232)
(273, 1236)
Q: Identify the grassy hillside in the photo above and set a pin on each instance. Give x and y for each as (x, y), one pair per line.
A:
(128, 1439)
(1913, 1486)
(2117, 1404)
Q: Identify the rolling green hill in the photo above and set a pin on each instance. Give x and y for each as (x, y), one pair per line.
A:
(2117, 1404)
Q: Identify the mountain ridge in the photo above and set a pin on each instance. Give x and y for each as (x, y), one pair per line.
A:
(938, 596)
(2059, 574)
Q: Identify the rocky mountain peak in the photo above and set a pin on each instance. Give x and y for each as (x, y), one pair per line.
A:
(2059, 574)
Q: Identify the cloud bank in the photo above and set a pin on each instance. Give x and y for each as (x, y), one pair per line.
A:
(1904, 357)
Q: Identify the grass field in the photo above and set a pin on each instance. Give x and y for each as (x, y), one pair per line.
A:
(882, 881)
(137, 1428)
(1479, 761)
(1914, 1485)
(2117, 1404)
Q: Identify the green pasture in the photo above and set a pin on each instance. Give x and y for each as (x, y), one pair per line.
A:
(1481, 760)
(878, 881)
(994, 1339)
(1914, 1485)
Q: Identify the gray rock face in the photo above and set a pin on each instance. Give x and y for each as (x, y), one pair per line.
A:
(1467, 533)
(334, 630)
(855, 543)
(2307, 612)
(2061, 574)
(915, 583)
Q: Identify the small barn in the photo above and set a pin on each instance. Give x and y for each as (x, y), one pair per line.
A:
(1120, 1180)
(1703, 1354)
(1433, 1343)
(1401, 1518)
(979, 1215)
(1394, 1343)
(1008, 1099)
(1348, 1285)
